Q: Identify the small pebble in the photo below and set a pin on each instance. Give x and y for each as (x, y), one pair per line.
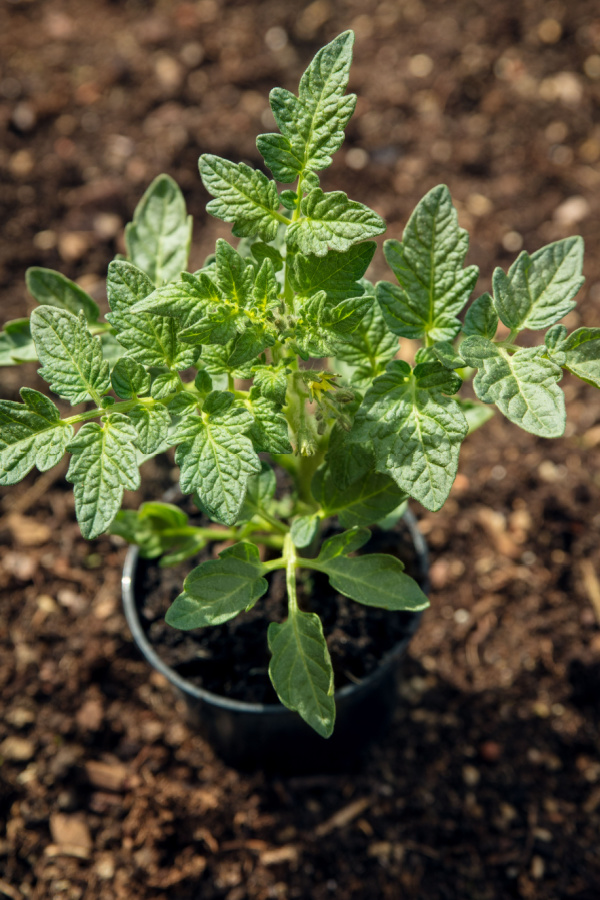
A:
(537, 867)
(470, 775)
(17, 749)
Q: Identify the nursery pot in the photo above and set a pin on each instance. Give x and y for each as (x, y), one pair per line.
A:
(268, 736)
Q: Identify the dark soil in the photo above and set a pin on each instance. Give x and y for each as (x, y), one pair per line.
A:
(488, 786)
(232, 659)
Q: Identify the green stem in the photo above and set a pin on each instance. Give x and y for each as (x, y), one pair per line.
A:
(273, 522)
(289, 554)
(274, 564)
(123, 407)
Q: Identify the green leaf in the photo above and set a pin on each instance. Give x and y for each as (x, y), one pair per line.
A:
(343, 318)
(242, 195)
(157, 528)
(447, 355)
(261, 489)
(271, 381)
(582, 354)
(523, 386)
(31, 434)
(375, 579)
(186, 300)
(265, 293)
(218, 327)
(270, 429)
(332, 222)
(249, 344)
(433, 285)
(219, 589)
(152, 427)
(539, 289)
(554, 337)
(301, 671)
(203, 382)
(415, 428)
(104, 463)
(261, 251)
(312, 125)
(158, 240)
(338, 274)
(345, 460)
(304, 530)
(164, 384)
(150, 339)
(235, 276)
(340, 545)
(71, 358)
(369, 348)
(182, 402)
(279, 156)
(16, 343)
(129, 379)
(215, 359)
(50, 288)
(364, 502)
(217, 458)
(481, 318)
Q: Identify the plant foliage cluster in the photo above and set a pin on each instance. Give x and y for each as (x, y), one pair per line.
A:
(290, 315)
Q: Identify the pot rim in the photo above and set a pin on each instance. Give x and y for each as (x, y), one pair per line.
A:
(148, 651)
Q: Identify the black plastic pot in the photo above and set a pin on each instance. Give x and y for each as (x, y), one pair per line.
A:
(269, 736)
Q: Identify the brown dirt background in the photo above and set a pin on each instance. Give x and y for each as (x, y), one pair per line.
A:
(489, 783)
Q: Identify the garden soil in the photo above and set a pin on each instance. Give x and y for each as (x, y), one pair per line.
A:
(488, 784)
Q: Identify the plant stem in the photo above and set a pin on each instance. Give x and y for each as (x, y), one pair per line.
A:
(273, 522)
(289, 554)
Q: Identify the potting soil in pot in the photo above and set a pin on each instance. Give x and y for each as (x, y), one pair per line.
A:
(232, 659)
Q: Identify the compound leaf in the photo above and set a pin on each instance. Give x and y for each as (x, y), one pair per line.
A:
(539, 289)
(481, 318)
(433, 285)
(31, 434)
(415, 427)
(186, 300)
(219, 589)
(71, 358)
(104, 463)
(269, 432)
(332, 222)
(523, 386)
(338, 274)
(50, 288)
(582, 354)
(216, 457)
(158, 240)
(129, 379)
(150, 339)
(375, 579)
(271, 381)
(312, 125)
(369, 348)
(301, 671)
(16, 343)
(152, 427)
(242, 195)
